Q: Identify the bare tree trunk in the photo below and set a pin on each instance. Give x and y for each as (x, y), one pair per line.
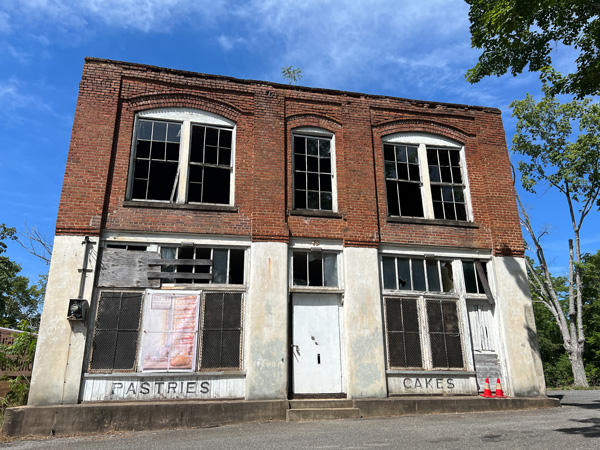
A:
(579, 378)
(571, 322)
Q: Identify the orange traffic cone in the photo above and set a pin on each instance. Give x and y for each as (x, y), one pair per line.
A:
(499, 393)
(487, 392)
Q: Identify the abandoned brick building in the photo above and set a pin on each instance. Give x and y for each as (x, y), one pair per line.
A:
(225, 238)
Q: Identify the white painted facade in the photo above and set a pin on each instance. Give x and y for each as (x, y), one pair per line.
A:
(295, 340)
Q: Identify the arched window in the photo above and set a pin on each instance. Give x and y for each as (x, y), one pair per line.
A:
(182, 155)
(314, 169)
(425, 177)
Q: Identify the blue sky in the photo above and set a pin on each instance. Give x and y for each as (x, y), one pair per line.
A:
(400, 48)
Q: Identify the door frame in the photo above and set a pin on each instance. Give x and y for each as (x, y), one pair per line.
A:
(291, 394)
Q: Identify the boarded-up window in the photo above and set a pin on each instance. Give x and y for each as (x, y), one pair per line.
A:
(221, 331)
(403, 339)
(115, 339)
(444, 334)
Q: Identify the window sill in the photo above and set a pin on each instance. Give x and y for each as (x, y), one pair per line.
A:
(185, 206)
(421, 372)
(316, 290)
(440, 222)
(237, 373)
(315, 213)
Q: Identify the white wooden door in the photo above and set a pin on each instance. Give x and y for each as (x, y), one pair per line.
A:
(482, 331)
(316, 344)
(483, 338)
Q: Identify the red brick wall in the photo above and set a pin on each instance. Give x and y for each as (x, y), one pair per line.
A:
(111, 93)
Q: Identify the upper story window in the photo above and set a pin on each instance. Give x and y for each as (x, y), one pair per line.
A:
(425, 177)
(182, 156)
(313, 166)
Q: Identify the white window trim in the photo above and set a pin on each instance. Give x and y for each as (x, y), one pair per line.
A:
(317, 132)
(422, 141)
(459, 295)
(187, 117)
(327, 246)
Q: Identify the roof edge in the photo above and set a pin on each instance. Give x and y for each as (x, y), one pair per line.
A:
(187, 73)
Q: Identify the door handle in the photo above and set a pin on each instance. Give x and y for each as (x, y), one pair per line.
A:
(296, 348)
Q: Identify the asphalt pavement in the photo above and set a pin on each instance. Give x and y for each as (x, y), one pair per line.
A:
(576, 425)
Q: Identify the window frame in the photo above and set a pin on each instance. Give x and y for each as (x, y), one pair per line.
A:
(425, 142)
(187, 118)
(200, 367)
(457, 295)
(210, 248)
(95, 329)
(315, 133)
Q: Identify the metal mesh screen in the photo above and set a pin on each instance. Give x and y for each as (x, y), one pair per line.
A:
(444, 334)
(114, 345)
(402, 324)
(221, 330)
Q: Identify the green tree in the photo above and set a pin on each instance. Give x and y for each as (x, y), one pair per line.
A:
(590, 278)
(572, 167)
(17, 357)
(514, 34)
(18, 299)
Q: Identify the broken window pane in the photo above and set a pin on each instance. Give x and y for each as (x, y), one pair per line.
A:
(315, 269)
(403, 181)
(236, 266)
(446, 187)
(300, 268)
(404, 282)
(155, 172)
(447, 277)
(470, 280)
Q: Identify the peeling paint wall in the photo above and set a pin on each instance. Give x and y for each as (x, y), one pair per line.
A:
(266, 332)
(363, 321)
(58, 361)
(518, 333)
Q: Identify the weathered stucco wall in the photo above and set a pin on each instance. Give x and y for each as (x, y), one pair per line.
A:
(266, 332)
(517, 328)
(363, 326)
(58, 361)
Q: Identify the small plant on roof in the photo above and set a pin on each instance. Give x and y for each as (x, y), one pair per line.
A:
(291, 74)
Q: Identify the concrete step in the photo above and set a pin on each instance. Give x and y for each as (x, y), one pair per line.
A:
(310, 414)
(321, 403)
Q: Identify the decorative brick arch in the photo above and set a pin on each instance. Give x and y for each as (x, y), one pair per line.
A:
(154, 101)
(313, 120)
(423, 126)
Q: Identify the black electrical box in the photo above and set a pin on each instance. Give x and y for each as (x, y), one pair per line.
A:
(77, 309)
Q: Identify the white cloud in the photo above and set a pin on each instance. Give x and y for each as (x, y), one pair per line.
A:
(14, 98)
(4, 23)
(140, 15)
(343, 43)
(227, 42)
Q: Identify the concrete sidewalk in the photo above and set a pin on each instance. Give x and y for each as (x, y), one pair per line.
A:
(96, 418)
